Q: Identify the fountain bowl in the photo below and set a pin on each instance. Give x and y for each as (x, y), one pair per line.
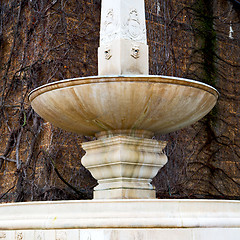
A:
(90, 105)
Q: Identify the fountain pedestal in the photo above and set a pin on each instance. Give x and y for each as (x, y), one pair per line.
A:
(124, 166)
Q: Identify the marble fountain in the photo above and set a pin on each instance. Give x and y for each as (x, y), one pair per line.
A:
(123, 107)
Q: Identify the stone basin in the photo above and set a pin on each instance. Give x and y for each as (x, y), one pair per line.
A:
(156, 104)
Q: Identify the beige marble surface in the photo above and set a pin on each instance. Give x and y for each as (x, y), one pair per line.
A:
(123, 19)
(123, 57)
(121, 220)
(124, 166)
(93, 104)
(120, 214)
(123, 39)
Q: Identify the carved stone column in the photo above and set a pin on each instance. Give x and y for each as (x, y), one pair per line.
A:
(124, 165)
(123, 41)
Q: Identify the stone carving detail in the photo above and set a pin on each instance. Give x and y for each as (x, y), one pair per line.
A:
(61, 235)
(109, 29)
(2, 235)
(135, 51)
(40, 236)
(133, 29)
(20, 236)
(107, 53)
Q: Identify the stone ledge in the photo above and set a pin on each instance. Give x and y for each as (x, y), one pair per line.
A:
(96, 214)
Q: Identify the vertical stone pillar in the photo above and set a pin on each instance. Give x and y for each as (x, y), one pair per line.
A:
(124, 166)
(123, 42)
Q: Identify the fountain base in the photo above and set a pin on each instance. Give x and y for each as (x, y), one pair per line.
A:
(124, 165)
(121, 219)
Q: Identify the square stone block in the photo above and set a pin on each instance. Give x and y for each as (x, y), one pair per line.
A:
(124, 166)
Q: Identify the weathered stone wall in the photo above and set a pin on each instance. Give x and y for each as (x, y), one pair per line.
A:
(47, 41)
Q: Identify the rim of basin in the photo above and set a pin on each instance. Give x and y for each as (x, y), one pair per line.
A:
(117, 78)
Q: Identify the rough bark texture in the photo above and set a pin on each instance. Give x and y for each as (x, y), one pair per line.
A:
(45, 41)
